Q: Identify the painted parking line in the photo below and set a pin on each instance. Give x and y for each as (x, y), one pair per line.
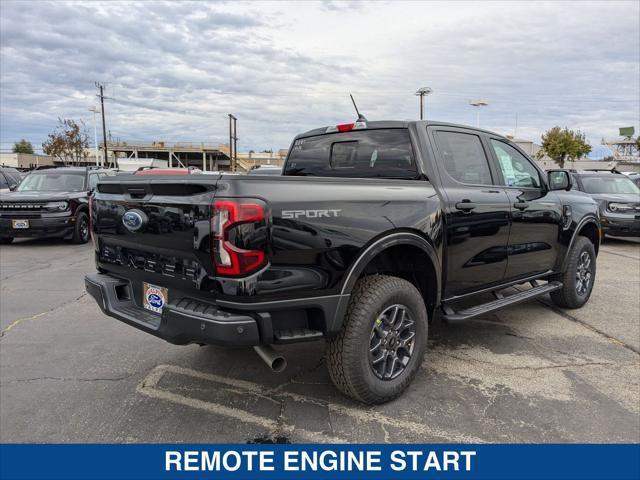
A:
(149, 386)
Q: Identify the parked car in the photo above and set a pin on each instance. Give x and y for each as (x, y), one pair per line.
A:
(618, 198)
(372, 230)
(10, 178)
(50, 203)
(265, 170)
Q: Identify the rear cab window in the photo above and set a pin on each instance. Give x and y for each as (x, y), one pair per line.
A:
(380, 153)
(464, 157)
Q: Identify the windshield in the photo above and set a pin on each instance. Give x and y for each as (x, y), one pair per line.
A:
(609, 184)
(52, 182)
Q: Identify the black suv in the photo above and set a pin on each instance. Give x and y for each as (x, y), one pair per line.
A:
(618, 198)
(50, 203)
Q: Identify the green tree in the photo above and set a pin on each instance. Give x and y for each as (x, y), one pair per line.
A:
(23, 147)
(562, 144)
(68, 142)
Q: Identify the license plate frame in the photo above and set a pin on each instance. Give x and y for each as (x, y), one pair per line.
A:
(154, 297)
(20, 224)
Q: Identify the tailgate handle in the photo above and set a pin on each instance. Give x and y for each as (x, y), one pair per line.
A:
(137, 192)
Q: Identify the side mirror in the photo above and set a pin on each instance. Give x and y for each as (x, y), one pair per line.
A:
(559, 180)
(13, 187)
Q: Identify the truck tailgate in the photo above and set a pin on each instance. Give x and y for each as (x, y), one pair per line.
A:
(159, 228)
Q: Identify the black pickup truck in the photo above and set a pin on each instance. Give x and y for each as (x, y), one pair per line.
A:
(372, 230)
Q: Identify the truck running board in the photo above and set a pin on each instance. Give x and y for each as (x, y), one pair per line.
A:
(295, 335)
(501, 301)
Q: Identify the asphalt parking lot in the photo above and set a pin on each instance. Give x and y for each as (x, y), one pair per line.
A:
(531, 373)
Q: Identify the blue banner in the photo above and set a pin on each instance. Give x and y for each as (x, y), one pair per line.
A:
(321, 462)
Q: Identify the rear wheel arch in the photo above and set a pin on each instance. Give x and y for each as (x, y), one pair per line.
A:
(405, 255)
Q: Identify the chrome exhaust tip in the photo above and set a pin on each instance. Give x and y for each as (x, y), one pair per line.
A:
(276, 362)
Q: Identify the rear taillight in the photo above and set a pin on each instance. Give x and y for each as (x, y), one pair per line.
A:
(229, 259)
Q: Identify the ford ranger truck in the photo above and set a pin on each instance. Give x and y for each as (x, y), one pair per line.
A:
(372, 230)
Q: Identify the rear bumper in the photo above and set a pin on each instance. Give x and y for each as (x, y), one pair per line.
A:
(39, 227)
(187, 320)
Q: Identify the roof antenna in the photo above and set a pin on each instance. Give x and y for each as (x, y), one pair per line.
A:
(361, 118)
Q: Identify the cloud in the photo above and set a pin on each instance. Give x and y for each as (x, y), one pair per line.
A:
(174, 70)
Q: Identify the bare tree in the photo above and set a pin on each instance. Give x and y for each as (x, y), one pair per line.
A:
(68, 142)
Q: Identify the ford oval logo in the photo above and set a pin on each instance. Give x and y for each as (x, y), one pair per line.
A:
(134, 220)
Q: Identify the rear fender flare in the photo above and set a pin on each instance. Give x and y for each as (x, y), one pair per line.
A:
(381, 244)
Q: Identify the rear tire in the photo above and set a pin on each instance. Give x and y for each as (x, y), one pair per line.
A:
(578, 278)
(6, 240)
(81, 230)
(386, 318)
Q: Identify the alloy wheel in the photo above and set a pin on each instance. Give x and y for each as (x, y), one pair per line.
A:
(583, 274)
(392, 342)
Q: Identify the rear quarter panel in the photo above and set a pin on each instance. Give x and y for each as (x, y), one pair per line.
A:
(320, 226)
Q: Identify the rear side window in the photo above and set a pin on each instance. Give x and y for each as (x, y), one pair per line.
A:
(362, 154)
(464, 158)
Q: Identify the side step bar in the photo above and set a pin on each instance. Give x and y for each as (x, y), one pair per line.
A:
(452, 316)
(295, 335)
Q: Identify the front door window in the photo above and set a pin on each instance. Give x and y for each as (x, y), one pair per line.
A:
(517, 170)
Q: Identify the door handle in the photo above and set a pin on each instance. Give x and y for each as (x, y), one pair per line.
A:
(465, 206)
(521, 205)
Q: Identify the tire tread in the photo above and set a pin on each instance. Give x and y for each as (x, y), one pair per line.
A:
(342, 349)
(567, 297)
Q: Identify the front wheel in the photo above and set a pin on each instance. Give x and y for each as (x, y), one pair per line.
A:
(578, 278)
(81, 230)
(383, 340)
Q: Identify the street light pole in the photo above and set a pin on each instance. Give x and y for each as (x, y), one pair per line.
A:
(477, 104)
(95, 132)
(421, 93)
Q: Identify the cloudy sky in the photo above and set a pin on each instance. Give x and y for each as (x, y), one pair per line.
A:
(174, 70)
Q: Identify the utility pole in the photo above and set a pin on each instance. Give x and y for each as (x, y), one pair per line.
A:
(104, 127)
(421, 93)
(233, 142)
(95, 132)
